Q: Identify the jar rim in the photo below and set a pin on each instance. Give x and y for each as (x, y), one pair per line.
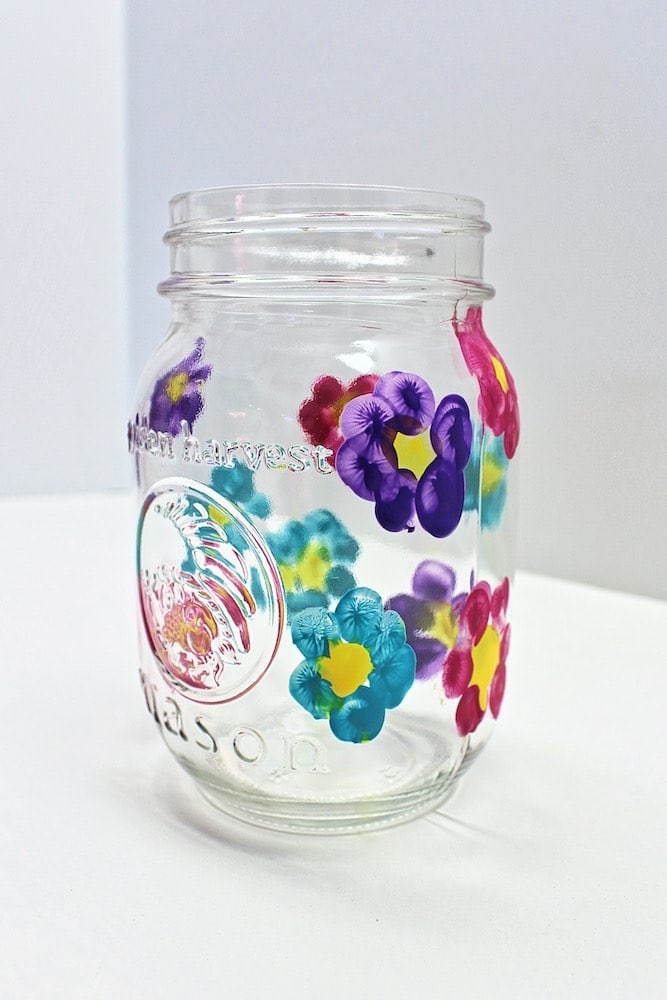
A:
(252, 202)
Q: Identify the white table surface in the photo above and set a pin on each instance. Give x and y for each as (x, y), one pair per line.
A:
(544, 875)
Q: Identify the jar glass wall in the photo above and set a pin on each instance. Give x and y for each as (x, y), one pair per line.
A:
(325, 450)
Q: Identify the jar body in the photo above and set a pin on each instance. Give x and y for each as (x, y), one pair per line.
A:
(325, 538)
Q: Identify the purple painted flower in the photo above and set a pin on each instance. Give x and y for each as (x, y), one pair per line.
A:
(430, 615)
(177, 395)
(406, 454)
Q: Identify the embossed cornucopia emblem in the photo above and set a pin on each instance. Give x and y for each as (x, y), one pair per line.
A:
(211, 596)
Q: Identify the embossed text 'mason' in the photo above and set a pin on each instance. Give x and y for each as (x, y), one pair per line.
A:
(187, 447)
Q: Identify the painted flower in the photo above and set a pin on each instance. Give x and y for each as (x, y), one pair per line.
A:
(475, 669)
(406, 454)
(357, 664)
(430, 613)
(498, 405)
(319, 415)
(238, 485)
(486, 478)
(177, 395)
(314, 556)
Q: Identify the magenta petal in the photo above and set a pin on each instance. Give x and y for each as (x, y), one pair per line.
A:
(457, 672)
(497, 690)
(499, 599)
(505, 643)
(468, 713)
(475, 615)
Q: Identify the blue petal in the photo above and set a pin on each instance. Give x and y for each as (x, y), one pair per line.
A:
(388, 635)
(259, 505)
(339, 580)
(360, 718)
(312, 629)
(320, 522)
(311, 691)
(393, 679)
(288, 544)
(358, 613)
(300, 600)
(493, 506)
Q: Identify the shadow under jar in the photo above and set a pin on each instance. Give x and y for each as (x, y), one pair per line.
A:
(324, 447)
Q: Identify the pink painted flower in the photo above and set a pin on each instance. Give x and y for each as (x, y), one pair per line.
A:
(320, 415)
(498, 405)
(475, 669)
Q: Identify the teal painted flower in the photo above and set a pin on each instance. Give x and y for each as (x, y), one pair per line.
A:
(357, 664)
(490, 463)
(314, 557)
(238, 484)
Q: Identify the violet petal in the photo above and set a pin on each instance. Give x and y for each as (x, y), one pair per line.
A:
(451, 431)
(410, 397)
(434, 581)
(439, 499)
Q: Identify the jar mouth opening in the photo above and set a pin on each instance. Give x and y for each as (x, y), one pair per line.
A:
(336, 203)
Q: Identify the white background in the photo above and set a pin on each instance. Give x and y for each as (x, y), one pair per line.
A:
(553, 113)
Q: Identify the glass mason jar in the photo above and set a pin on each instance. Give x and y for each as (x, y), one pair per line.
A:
(324, 448)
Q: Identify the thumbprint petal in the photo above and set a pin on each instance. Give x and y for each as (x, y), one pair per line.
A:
(451, 431)
(475, 614)
(358, 614)
(439, 498)
(457, 672)
(497, 692)
(368, 415)
(312, 631)
(395, 678)
(468, 713)
(411, 399)
(433, 581)
(499, 599)
(361, 717)
(397, 513)
(311, 691)
(362, 468)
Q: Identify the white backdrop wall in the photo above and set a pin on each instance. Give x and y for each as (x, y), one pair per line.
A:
(62, 250)
(553, 113)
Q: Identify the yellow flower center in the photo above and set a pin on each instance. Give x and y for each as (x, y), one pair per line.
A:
(347, 666)
(492, 475)
(444, 627)
(501, 374)
(176, 386)
(310, 572)
(415, 452)
(485, 659)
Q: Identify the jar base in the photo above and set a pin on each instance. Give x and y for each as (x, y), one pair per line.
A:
(305, 816)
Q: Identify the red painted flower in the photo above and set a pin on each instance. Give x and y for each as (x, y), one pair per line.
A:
(320, 414)
(475, 669)
(498, 404)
